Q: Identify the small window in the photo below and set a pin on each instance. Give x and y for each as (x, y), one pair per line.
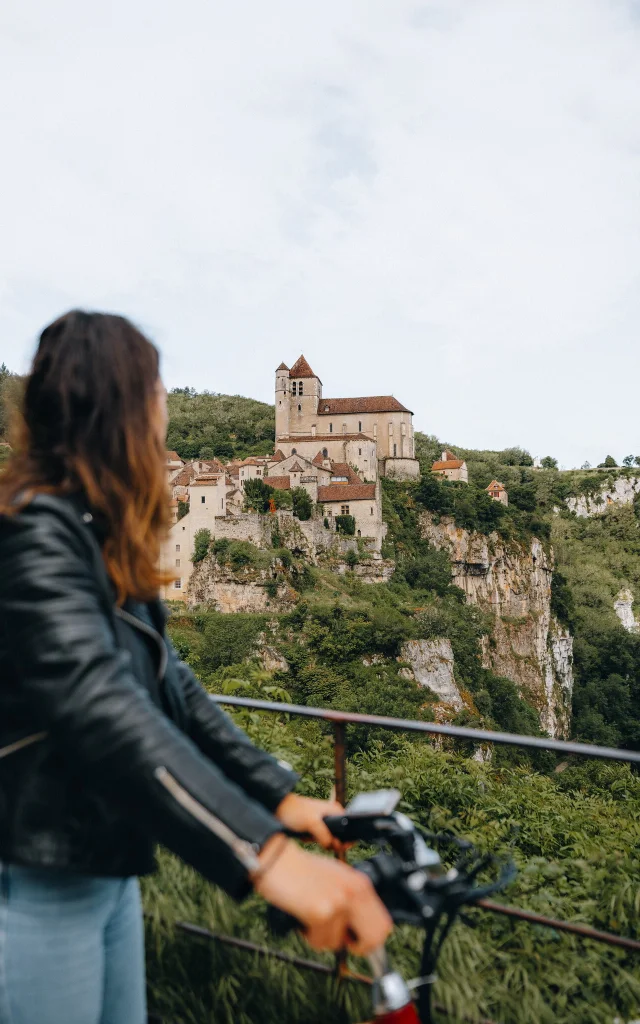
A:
(177, 563)
(177, 584)
(177, 545)
(293, 388)
(299, 408)
(325, 453)
(344, 510)
(294, 451)
(331, 428)
(300, 387)
(359, 533)
(372, 510)
(203, 499)
(359, 424)
(184, 527)
(395, 450)
(359, 451)
(221, 502)
(326, 408)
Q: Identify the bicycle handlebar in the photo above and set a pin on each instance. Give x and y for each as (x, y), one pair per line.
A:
(414, 885)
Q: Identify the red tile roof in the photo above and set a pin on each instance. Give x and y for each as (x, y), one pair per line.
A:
(380, 403)
(183, 478)
(278, 457)
(173, 457)
(449, 464)
(283, 366)
(319, 459)
(495, 485)
(279, 483)
(344, 469)
(301, 368)
(347, 492)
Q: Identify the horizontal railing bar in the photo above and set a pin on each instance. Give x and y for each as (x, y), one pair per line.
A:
(584, 930)
(433, 728)
(197, 932)
(251, 947)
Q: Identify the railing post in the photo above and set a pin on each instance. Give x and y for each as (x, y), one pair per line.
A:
(340, 762)
(340, 785)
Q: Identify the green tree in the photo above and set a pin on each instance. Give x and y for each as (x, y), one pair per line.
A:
(629, 460)
(608, 463)
(351, 558)
(302, 504)
(201, 543)
(183, 508)
(206, 452)
(257, 495)
(549, 462)
(346, 525)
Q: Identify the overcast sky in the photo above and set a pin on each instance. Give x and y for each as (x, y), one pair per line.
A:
(439, 200)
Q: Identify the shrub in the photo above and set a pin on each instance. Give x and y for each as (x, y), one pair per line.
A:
(351, 559)
(346, 525)
(228, 638)
(302, 504)
(257, 495)
(201, 543)
(183, 508)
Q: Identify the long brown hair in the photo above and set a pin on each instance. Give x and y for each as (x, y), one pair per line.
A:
(87, 427)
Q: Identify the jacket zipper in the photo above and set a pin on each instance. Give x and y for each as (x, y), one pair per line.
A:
(26, 741)
(244, 851)
(144, 628)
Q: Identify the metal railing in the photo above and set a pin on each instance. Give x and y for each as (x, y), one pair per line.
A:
(340, 720)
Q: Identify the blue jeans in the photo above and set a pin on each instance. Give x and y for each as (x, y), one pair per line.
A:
(71, 948)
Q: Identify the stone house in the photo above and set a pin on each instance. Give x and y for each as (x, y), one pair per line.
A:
(304, 419)
(360, 500)
(174, 461)
(498, 492)
(451, 468)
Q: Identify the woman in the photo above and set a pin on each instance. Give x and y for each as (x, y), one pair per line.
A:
(107, 741)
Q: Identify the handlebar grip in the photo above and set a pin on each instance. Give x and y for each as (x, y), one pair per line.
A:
(281, 923)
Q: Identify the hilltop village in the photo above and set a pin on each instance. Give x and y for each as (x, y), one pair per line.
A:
(334, 449)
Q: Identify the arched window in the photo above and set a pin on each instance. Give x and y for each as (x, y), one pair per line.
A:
(294, 451)
(325, 453)
(293, 388)
(299, 387)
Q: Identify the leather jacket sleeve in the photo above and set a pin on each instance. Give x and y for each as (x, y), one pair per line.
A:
(68, 668)
(259, 774)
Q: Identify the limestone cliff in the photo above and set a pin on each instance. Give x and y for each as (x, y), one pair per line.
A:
(619, 491)
(512, 581)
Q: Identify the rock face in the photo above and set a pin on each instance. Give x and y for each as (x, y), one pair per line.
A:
(621, 491)
(431, 664)
(623, 608)
(242, 591)
(374, 571)
(513, 583)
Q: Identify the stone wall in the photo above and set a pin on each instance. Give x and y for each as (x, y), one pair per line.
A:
(513, 582)
(399, 469)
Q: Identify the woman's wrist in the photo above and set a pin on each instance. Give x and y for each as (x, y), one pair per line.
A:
(269, 854)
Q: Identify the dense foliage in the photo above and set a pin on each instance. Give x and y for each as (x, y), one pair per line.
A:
(575, 837)
(225, 426)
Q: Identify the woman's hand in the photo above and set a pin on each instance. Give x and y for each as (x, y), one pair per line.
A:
(336, 904)
(304, 814)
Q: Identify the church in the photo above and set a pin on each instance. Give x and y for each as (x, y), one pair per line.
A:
(375, 435)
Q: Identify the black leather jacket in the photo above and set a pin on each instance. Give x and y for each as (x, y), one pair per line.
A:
(107, 741)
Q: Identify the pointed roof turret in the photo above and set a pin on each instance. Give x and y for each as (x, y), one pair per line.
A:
(301, 368)
(283, 366)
